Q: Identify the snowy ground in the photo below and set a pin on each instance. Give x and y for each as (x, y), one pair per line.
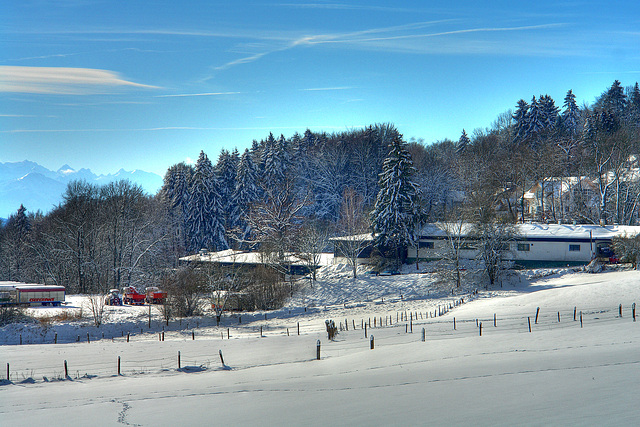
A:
(562, 373)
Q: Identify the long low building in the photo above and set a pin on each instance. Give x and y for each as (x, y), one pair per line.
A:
(230, 257)
(531, 245)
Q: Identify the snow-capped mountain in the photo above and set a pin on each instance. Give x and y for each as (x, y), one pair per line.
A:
(39, 188)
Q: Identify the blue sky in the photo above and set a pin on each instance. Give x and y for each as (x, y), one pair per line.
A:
(144, 85)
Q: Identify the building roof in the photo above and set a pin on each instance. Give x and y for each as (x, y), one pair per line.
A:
(231, 256)
(529, 231)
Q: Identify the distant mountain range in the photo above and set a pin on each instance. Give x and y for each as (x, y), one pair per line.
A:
(39, 188)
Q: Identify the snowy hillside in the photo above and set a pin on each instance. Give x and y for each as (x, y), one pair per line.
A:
(561, 373)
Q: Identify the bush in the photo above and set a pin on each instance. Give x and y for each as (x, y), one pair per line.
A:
(11, 314)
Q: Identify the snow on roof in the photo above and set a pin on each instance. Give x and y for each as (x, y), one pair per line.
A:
(531, 230)
(231, 256)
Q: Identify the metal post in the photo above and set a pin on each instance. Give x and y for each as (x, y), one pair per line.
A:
(318, 350)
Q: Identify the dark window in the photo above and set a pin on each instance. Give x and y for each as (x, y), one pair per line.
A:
(426, 245)
(523, 247)
(574, 248)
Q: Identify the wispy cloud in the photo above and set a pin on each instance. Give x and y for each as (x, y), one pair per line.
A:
(341, 6)
(61, 81)
(327, 88)
(180, 95)
(405, 38)
(169, 128)
(25, 115)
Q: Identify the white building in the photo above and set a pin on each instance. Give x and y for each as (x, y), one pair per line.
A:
(532, 245)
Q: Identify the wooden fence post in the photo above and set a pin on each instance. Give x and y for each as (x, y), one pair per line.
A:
(149, 317)
(179, 360)
(529, 322)
(66, 369)
(88, 339)
(193, 336)
(228, 333)
(620, 310)
(55, 338)
(118, 365)
(537, 312)
(633, 309)
(127, 336)
(480, 328)
(454, 323)
(221, 358)
(424, 335)
(365, 330)
(299, 327)
(581, 319)
(7, 372)
(494, 320)
(574, 313)
(371, 342)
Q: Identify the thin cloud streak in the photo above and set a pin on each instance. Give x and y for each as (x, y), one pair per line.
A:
(167, 128)
(182, 95)
(357, 39)
(328, 88)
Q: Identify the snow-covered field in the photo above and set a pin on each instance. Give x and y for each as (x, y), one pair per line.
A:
(561, 373)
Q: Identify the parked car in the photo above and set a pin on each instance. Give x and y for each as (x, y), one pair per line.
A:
(389, 272)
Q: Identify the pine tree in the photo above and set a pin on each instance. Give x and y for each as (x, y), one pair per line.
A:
(272, 162)
(549, 112)
(520, 118)
(206, 228)
(613, 100)
(176, 191)
(570, 118)
(534, 120)
(397, 212)
(226, 170)
(246, 193)
(633, 106)
(463, 142)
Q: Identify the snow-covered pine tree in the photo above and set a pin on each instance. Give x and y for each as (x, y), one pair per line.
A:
(613, 100)
(176, 192)
(549, 112)
(570, 117)
(206, 228)
(463, 142)
(520, 121)
(534, 119)
(633, 106)
(397, 213)
(272, 163)
(226, 170)
(246, 193)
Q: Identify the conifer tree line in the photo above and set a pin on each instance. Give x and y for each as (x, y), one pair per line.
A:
(289, 194)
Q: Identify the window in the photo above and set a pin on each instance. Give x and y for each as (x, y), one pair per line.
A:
(574, 248)
(426, 245)
(524, 247)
